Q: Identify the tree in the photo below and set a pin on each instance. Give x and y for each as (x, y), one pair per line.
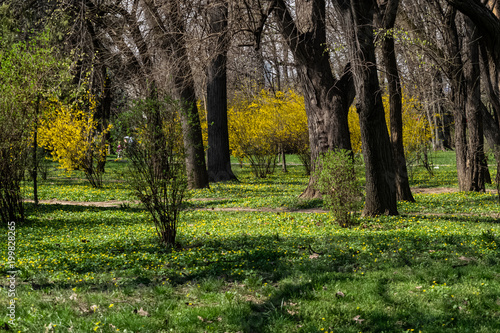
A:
(377, 154)
(29, 71)
(141, 39)
(462, 69)
(218, 156)
(386, 19)
(486, 17)
(327, 99)
(476, 160)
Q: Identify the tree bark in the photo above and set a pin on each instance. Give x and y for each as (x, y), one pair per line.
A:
(491, 124)
(389, 9)
(377, 153)
(218, 155)
(475, 180)
(327, 99)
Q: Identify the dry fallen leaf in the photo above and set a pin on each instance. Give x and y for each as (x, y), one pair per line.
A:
(48, 328)
(418, 287)
(314, 256)
(292, 313)
(358, 319)
(141, 312)
(73, 297)
(340, 294)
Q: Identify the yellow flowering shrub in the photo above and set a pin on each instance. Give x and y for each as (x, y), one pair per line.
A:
(70, 133)
(260, 127)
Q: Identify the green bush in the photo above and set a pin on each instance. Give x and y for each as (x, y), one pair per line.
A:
(336, 178)
(157, 171)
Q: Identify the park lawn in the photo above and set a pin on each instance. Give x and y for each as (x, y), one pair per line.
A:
(434, 268)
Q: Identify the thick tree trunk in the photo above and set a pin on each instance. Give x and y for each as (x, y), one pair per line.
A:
(182, 76)
(193, 140)
(491, 125)
(377, 153)
(327, 109)
(396, 121)
(327, 99)
(218, 155)
(389, 10)
(475, 180)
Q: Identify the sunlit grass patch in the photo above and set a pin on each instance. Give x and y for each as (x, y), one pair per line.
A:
(454, 203)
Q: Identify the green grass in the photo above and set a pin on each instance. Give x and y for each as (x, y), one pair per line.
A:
(434, 268)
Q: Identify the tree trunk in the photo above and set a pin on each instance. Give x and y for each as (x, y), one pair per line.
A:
(283, 160)
(34, 172)
(327, 111)
(475, 151)
(377, 153)
(218, 155)
(389, 10)
(490, 122)
(458, 95)
(327, 99)
(183, 80)
(439, 116)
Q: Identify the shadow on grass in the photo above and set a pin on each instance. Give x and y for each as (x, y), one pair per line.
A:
(32, 210)
(282, 269)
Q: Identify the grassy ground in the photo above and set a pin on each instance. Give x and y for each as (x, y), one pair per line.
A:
(434, 268)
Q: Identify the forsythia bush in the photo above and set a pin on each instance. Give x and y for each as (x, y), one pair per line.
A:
(260, 127)
(70, 133)
(416, 128)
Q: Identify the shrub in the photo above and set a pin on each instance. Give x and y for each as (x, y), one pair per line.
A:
(336, 179)
(157, 172)
(262, 126)
(70, 133)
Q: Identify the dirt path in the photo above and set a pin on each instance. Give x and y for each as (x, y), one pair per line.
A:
(118, 203)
